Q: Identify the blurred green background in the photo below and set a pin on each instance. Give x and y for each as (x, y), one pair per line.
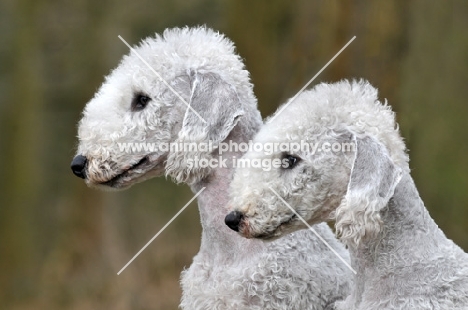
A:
(61, 243)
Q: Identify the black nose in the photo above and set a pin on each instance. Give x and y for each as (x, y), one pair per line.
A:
(78, 166)
(233, 220)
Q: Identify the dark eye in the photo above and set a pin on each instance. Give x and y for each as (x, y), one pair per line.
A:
(139, 102)
(290, 161)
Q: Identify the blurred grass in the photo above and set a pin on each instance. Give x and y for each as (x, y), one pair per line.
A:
(61, 243)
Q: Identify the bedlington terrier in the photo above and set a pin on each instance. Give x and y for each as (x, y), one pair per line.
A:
(343, 159)
(135, 106)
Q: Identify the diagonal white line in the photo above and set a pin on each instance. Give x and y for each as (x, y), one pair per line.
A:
(313, 230)
(163, 80)
(161, 230)
(308, 83)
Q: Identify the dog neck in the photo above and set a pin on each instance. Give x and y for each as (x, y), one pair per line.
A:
(220, 243)
(407, 236)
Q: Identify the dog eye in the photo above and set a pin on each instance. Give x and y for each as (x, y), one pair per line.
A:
(290, 161)
(139, 102)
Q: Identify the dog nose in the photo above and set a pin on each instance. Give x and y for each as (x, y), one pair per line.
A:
(233, 220)
(78, 166)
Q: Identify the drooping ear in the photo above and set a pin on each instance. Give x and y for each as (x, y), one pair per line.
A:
(372, 183)
(219, 109)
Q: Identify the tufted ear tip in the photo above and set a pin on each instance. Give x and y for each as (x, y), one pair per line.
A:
(357, 220)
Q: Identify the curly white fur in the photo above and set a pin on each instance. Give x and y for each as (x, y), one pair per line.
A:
(229, 272)
(403, 260)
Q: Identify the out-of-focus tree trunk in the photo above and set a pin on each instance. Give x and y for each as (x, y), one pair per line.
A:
(434, 110)
(23, 163)
(287, 44)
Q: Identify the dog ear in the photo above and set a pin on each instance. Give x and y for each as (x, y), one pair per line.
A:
(372, 183)
(218, 109)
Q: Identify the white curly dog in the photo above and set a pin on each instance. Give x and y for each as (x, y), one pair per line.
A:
(354, 171)
(135, 106)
